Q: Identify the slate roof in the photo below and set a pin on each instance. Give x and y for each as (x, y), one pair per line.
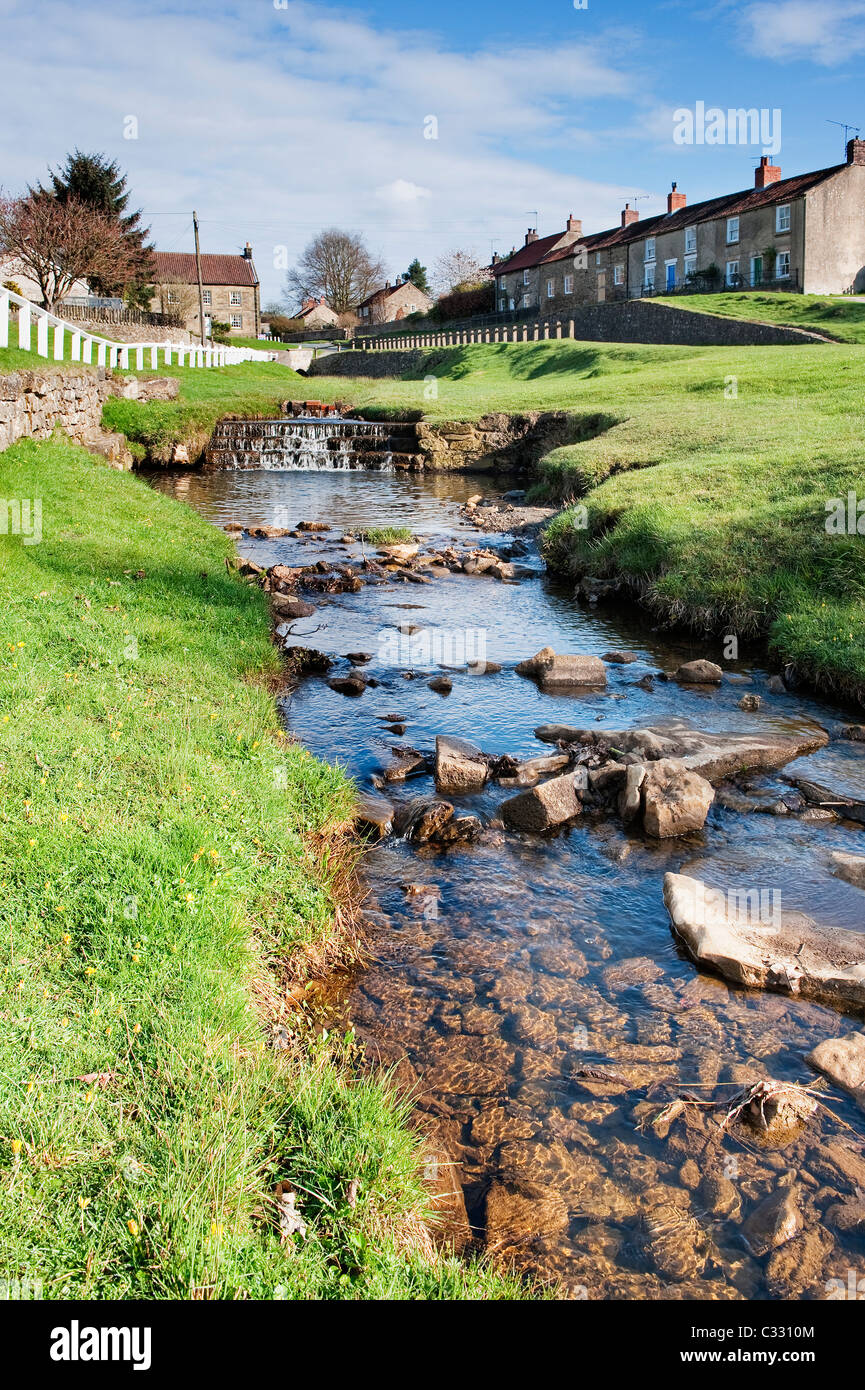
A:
(545, 249)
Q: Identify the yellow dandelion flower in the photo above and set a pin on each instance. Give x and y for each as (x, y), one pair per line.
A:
(133, 1227)
(16, 1147)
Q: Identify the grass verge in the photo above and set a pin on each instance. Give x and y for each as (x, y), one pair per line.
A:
(170, 865)
(835, 315)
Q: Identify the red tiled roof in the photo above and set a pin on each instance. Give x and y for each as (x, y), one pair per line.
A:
(727, 205)
(178, 267)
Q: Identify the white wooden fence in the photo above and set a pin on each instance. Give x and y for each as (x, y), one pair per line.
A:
(83, 345)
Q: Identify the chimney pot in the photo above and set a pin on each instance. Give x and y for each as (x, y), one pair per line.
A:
(531, 235)
(629, 215)
(575, 226)
(675, 200)
(766, 173)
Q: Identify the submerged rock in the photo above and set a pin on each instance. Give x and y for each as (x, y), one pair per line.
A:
(773, 1221)
(553, 670)
(789, 952)
(421, 818)
(843, 1061)
(289, 606)
(850, 867)
(374, 814)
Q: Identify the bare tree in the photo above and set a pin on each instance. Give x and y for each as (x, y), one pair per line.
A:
(459, 270)
(178, 298)
(338, 266)
(59, 243)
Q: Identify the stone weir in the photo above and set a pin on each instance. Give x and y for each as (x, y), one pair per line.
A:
(313, 443)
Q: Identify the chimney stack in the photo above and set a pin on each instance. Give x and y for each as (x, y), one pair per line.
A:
(766, 173)
(531, 235)
(496, 258)
(575, 226)
(629, 215)
(675, 200)
(247, 252)
(856, 151)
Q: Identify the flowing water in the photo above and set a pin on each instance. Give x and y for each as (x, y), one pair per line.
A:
(503, 970)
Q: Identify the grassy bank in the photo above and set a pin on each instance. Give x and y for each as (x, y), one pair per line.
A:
(170, 866)
(835, 315)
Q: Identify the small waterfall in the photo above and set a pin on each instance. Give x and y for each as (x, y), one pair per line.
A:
(299, 442)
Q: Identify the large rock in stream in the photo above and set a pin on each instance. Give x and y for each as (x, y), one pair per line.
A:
(713, 756)
(459, 765)
(843, 1061)
(675, 800)
(551, 803)
(788, 953)
(556, 671)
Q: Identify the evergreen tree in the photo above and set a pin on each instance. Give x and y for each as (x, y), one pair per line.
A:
(416, 273)
(97, 181)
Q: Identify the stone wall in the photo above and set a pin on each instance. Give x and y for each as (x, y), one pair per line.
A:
(33, 404)
(628, 321)
(397, 363)
(134, 332)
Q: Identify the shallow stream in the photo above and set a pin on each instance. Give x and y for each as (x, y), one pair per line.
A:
(503, 969)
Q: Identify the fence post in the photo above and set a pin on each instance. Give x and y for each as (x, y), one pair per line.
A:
(100, 352)
(124, 359)
(87, 350)
(571, 327)
(168, 354)
(42, 335)
(4, 318)
(154, 356)
(24, 326)
(75, 347)
(59, 335)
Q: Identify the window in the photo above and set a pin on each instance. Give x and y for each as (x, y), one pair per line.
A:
(412, 308)
(690, 266)
(782, 218)
(551, 289)
(503, 303)
(732, 229)
(237, 320)
(569, 284)
(525, 301)
(732, 272)
(235, 297)
(782, 265)
(650, 249)
(618, 274)
(525, 277)
(597, 258)
(649, 275)
(206, 295)
(171, 297)
(690, 239)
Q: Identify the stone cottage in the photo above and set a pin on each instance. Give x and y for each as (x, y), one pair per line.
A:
(805, 234)
(317, 313)
(393, 302)
(231, 291)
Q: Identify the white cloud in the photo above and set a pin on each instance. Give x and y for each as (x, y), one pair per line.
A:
(275, 123)
(827, 33)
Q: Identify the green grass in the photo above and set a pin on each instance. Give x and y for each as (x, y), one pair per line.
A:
(170, 865)
(386, 535)
(837, 316)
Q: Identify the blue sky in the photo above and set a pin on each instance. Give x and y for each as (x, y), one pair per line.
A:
(275, 118)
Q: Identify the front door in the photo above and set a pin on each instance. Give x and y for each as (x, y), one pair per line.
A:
(602, 286)
(756, 270)
(671, 275)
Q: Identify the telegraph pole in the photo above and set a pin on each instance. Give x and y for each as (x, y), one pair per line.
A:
(200, 285)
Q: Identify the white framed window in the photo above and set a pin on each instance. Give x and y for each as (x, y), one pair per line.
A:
(569, 284)
(171, 297)
(503, 302)
(690, 266)
(551, 289)
(732, 230)
(597, 258)
(782, 218)
(237, 320)
(732, 272)
(207, 296)
(649, 275)
(649, 253)
(618, 274)
(782, 265)
(525, 301)
(690, 239)
(525, 277)
(235, 297)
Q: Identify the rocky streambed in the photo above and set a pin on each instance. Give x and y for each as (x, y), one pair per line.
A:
(615, 912)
